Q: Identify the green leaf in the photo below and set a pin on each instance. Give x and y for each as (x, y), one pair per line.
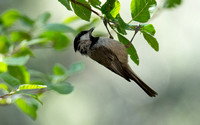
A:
(19, 72)
(60, 41)
(43, 18)
(88, 25)
(58, 27)
(5, 101)
(95, 3)
(71, 19)
(16, 61)
(28, 106)
(141, 10)
(4, 87)
(23, 52)
(111, 8)
(4, 44)
(76, 67)
(37, 41)
(66, 3)
(81, 11)
(3, 67)
(10, 80)
(30, 86)
(122, 26)
(151, 40)
(18, 36)
(171, 3)
(59, 69)
(39, 82)
(35, 73)
(9, 17)
(149, 29)
(62, 88)
(131, 50)
(26, 20)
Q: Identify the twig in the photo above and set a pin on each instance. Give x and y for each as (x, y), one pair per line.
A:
(136, 31)
(105, 23)
(76, 2)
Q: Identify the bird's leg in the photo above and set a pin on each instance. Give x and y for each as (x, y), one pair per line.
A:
(136, 31)
(105, 23)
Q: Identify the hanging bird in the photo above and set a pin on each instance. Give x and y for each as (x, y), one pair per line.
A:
(109, 53)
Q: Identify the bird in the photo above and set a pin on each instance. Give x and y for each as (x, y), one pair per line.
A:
(110, 53)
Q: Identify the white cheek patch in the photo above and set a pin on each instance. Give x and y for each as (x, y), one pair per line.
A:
(85, 37)
(84, 46)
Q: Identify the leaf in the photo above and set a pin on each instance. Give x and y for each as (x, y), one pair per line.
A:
(9, 17)
(39, 82)
(60, 41)
(62, 88)
(37, 41)
(4, 87)
(88, 25)
(18, 36)
(59, 69)
(43, 18)
(66, 3)
(151, 40)
(32, 96)
(95, 3)
(76, 67)
(35, 73)
(16, 61)
(140, 9)
(3, 67)
(19, 72)
(131, 50)
(171, 3)
(4, 44)
(58, 27)
(149, 29)
(10, 80)
(23, 52)
(121, 28)
(30, 86)
(81, 11)
(111, 8)
(28, 106)
(26, 20)
(71, 19)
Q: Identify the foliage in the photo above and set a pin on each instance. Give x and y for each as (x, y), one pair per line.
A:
(18, 84)
(141, 12)
(20, 35)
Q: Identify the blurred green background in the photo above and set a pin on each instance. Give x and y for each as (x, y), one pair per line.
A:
(103, 98)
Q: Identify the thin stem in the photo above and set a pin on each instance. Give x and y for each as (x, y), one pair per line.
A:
(76, 2)
(105, 23)
(130, 21)
(136, 31)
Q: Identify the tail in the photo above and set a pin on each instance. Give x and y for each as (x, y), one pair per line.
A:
(144, 86)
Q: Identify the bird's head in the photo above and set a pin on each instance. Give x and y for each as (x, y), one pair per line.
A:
(83, 36)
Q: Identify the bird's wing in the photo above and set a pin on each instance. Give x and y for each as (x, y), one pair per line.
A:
(108, 59)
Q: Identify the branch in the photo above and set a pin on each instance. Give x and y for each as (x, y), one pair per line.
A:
(136, 31)
(76, 2)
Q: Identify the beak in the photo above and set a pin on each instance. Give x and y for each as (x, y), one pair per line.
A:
(91, 30)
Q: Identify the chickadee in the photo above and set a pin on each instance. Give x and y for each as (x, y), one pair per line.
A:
(109, 53)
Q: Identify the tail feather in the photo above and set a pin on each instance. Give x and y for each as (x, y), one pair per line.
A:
(144, 86)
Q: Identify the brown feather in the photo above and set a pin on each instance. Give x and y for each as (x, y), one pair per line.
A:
(116, 60)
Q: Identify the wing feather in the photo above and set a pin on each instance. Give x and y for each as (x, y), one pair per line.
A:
(108, 59)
